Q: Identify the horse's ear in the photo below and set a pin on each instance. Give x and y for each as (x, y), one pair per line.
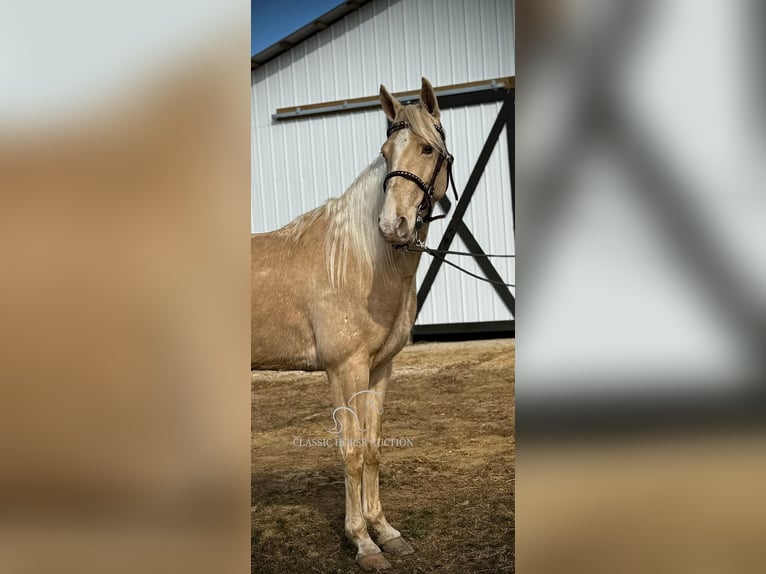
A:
(390, 104)
(428, 99)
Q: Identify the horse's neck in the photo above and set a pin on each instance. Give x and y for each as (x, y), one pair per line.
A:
(362, 203)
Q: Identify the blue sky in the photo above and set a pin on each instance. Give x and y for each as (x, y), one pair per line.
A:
(272, 20)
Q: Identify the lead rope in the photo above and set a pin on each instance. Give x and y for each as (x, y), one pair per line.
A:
(420, 247)
(448, 252)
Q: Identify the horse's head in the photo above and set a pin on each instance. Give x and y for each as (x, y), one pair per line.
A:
(418, 165)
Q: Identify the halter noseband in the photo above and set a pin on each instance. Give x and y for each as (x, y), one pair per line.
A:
(426, 205)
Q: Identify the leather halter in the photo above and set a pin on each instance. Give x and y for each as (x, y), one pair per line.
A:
(426, 205)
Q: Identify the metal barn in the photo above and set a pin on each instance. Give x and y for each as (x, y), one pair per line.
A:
(318, 87)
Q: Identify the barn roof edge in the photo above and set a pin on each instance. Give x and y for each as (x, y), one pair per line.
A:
(301, 34)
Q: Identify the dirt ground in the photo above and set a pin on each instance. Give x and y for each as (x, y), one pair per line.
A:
(448, 487)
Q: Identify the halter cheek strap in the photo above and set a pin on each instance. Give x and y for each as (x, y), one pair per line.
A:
(426, 205)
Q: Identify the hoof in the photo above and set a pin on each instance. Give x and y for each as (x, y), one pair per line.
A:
(398, 546)
(373, 561)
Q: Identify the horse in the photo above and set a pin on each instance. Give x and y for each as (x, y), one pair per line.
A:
(334, 291)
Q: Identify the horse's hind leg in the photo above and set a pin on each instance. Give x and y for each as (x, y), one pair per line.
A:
(388, 537)
(345, 380)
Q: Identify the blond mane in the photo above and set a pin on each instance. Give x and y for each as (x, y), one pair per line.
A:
(352, 226)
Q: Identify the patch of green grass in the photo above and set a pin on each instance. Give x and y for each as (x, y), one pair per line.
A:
(417, 524)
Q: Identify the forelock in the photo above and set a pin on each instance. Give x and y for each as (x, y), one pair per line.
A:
(422, 125)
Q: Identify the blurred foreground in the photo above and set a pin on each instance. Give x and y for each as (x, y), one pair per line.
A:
(641, 138)
(124, 185)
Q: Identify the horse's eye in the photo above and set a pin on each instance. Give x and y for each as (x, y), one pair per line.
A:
(427, 149)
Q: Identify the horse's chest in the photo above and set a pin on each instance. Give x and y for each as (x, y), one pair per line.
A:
(378, 326)
(392, 339)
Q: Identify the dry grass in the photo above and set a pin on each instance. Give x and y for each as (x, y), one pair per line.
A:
(450, 494)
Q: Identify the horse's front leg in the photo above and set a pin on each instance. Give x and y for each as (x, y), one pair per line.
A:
(350, 413)
(388, 537)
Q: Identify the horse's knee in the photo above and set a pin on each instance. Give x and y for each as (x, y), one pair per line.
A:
(353, 459)
(372, 454)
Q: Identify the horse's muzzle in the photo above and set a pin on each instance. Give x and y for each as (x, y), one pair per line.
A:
(398, 231)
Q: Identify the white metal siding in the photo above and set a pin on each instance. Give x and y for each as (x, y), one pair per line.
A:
(297, 164)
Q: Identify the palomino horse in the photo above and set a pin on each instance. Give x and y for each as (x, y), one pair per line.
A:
(331, 292)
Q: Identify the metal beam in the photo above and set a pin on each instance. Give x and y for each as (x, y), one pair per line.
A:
(487, 268)
(487, 329)
(510, 134)
(492, 90)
